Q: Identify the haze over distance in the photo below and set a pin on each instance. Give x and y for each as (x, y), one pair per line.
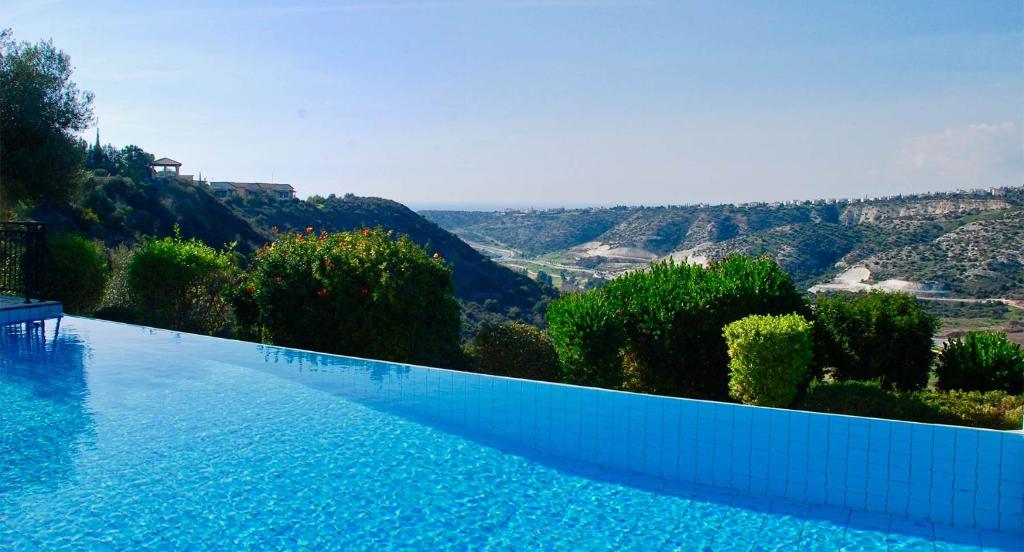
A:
(540, 103)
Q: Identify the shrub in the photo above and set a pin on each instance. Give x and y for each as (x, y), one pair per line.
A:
(517, 350)
(180, 284)
(993, 409)
(364, 293)
(117, 302)
(660, 330)
(768, 358)
(117, 293)
(981, 361)
(587, 334)
(877, 335)
(75, 273)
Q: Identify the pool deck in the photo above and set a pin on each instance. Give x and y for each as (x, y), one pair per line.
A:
(14, 310)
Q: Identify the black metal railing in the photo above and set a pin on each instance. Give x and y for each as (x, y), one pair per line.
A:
(22, 255)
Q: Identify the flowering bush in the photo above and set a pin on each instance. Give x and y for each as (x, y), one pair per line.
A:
(367, 293)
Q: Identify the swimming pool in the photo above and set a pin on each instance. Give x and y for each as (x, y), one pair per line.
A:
(120, 436)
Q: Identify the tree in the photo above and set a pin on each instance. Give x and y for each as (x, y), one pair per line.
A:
(133, 162)
(41, 110)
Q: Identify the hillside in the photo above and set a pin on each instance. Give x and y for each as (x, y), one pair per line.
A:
(966, 244)
(115, 210)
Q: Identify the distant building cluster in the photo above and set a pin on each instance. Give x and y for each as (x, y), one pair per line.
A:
(977, 192)
(283, 192)
(166, 167)
(974, 192)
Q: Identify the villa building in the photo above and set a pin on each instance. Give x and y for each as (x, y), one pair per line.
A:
(166, 167)
(283, 192)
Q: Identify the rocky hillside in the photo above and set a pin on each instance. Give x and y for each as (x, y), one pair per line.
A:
(984, 258)
(968, 244)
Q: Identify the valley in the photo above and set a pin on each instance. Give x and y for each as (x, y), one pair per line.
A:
(966, 245)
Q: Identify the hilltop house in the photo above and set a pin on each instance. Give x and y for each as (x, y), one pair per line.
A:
(283, 192)
(166, 167)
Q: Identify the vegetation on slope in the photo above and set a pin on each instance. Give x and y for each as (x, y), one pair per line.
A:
(488, 291)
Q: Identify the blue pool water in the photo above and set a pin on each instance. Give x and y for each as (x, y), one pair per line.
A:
(121, 437)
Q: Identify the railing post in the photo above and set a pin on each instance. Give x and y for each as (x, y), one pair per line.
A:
(22, 256)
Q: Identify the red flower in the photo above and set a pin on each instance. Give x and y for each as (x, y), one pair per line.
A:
(366, 231)
(251, 288)
(309, 229)
(321, 293)
(279, 279)
(366, 291)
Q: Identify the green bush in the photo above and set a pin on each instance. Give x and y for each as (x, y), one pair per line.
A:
(75, 273)
(364, 293)
(981, 361)
(877, 335)
(180, 284)
(516, 350)
(117, 293)
(993, 409)
(768, 358)
(660, 330)
(117, 304)
(587, 334)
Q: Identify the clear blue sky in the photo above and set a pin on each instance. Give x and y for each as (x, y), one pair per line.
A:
(534, 102)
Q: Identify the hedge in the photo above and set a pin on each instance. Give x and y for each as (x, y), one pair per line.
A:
(181, 284)
(768, 358)
(660, 330)
(515, 350)
(369, 293)
(981, 361)
(875, 336)
(76, 273)
(992, 409)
